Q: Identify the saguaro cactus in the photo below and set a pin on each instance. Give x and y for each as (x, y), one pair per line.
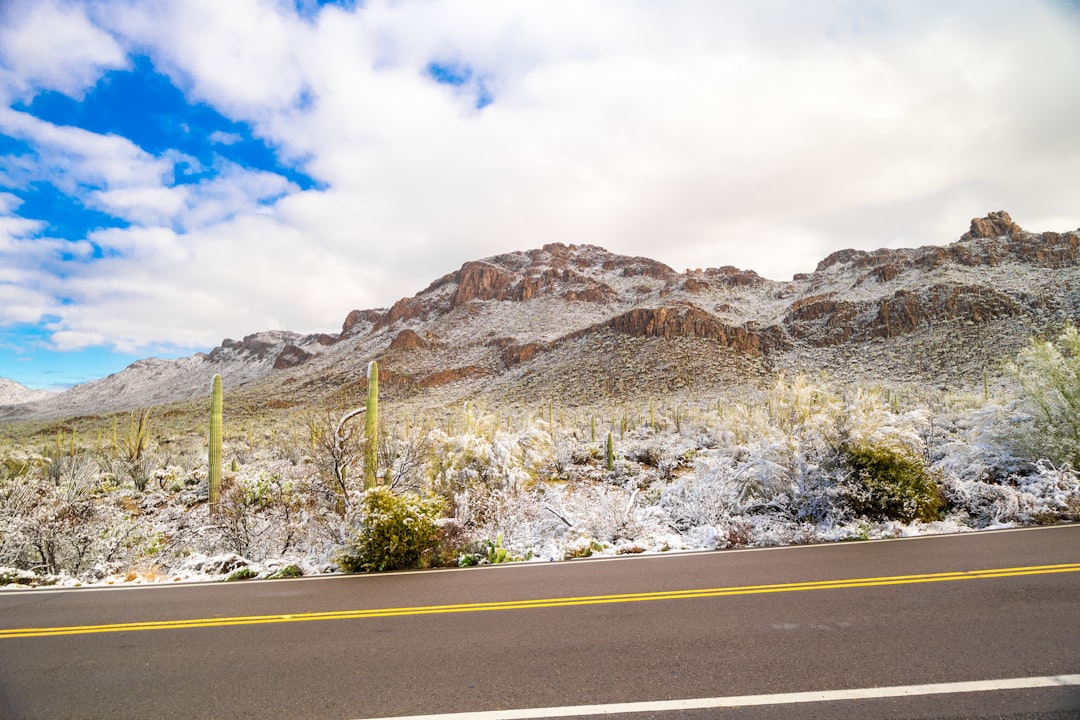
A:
(371, 425)
(214, 473)
(609, 455)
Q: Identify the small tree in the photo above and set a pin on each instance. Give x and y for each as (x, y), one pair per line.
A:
(1049, 377)
(337, 450)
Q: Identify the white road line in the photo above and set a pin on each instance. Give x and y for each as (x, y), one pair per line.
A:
(754, 700)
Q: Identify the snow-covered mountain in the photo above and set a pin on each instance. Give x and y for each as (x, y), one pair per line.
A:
(579, 324)
(154, 381)
(12, 393)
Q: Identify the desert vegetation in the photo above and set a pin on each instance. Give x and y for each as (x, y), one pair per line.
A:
(169, 493)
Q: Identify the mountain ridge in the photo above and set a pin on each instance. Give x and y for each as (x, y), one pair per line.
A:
(582, 324)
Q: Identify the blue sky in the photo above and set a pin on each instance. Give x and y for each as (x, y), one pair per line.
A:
(172, 174)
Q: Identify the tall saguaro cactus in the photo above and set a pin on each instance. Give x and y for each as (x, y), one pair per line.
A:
(371, 425)
(214, 473)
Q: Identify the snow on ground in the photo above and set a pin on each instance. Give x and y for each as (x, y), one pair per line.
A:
(772, 469)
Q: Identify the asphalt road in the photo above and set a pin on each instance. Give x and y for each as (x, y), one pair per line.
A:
(647, 630)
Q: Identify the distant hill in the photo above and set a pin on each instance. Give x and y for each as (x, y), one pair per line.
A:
(579, 324)
(12, 393)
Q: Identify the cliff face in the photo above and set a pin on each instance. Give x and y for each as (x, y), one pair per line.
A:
(580, 320)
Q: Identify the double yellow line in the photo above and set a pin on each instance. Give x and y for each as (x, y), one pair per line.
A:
(543, 603)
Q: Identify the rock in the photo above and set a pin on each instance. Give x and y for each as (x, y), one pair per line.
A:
(690, 321)
(407, 340)
(291, 356)
(994, 225)
(360, 321)
(515, 354)
(403, 310)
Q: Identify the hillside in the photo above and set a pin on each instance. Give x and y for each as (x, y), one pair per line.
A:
(12, 393)
(579, 324)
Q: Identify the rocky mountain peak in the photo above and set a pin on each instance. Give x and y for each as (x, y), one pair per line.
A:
(576, 273)
(992, 240)
(994, 225)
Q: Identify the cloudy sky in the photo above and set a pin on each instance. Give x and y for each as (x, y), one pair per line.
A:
(176, 172)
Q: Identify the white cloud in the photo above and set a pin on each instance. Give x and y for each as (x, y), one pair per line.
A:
(687, 135)
(237, 55)
(71, 157)
(763, 135)
(224, 138)
(49, 45)
(25, 265)
(231, 192)
(246, 274)
(142, 205)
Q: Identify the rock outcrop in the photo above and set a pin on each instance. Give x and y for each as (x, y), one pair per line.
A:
(290, 357)
(407, 340)
(687, 320)
(994, 225)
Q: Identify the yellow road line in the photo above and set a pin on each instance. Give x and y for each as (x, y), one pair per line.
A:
(544, 602)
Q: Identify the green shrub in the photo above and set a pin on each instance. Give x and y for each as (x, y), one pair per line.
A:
(398, 532)
(244, 573)
(888, 483)
(10, 575)
(289, 571)
(491, 552)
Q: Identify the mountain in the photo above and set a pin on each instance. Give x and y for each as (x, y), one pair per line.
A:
(578, 324)
(156, 382)
(12, 393)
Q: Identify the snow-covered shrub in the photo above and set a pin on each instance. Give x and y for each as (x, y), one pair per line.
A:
(979, 445)
(72, 527)
(526, 519)
(1048, 494)
(708, 504)
(261, 515)
(475, 468)
(15, 576)
(600, 511)
(1054, 492)
(884, 482)
(985, 503)
(786, 447)
(397, 531)
(707, 497)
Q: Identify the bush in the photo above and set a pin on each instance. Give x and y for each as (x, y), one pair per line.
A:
(398, 532)
(1049, 376)
(289, 571)
(244, 573)
(887, 483)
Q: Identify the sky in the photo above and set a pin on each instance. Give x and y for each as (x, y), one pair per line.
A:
(175, 173)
